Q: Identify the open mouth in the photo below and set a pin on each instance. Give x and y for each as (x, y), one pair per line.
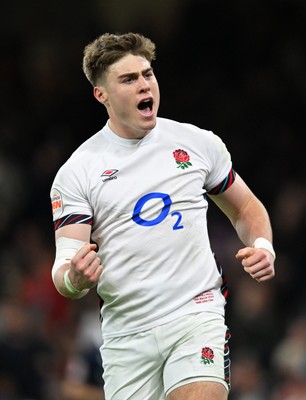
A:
(145, 106)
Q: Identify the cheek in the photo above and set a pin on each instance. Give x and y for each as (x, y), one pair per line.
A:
(120, 103)
(122, 109)
(156, 95)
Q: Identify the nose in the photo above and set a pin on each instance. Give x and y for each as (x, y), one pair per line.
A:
(143, 84)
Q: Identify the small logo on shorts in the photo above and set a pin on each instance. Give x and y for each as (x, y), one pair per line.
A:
(207, 356)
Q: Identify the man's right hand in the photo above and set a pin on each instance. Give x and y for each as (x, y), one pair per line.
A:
(85, 268)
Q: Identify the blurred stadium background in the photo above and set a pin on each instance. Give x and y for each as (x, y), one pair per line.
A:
(236, 68)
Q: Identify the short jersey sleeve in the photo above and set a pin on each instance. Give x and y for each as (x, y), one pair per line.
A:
(225, 184)
(68, 197)
(220, 164)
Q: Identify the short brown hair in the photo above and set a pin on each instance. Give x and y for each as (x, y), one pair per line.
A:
(109, 48)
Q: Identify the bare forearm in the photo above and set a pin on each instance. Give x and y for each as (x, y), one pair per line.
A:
(253, 222)
(245, 211)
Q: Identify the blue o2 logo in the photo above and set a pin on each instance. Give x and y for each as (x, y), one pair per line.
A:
(163, 213)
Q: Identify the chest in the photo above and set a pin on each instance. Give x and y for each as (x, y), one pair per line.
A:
(147, 173)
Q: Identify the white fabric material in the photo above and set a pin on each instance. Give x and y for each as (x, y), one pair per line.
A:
(262, 243)
(149, 221)
(65, 250)
(184, 365)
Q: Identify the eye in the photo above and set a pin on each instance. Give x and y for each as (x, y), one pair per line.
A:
(149, 74)
(128, 80)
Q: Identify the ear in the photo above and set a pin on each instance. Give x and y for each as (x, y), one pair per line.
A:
(100, 94)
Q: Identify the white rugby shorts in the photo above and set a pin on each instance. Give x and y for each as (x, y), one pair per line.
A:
(149, 365)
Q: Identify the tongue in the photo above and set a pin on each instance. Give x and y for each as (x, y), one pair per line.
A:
(146, 110)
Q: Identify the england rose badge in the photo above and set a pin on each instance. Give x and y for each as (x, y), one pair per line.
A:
(207, 355)
(182, 158)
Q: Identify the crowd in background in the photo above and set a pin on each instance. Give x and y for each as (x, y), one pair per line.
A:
(237, 68)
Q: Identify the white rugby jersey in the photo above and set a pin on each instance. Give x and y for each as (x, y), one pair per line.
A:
(146, 202)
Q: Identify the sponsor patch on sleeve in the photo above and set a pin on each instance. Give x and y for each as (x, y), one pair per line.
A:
(57, 203)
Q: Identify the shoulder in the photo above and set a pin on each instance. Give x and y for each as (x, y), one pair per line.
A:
(77, 166)
(90, 146)
(86, 151)
(189, 131)
(185, 127)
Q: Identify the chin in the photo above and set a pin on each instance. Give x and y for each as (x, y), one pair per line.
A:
(149, 125)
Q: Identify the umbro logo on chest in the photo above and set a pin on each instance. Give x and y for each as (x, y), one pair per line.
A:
(109, 174)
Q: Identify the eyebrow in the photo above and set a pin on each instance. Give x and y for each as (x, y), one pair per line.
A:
(135, 74)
